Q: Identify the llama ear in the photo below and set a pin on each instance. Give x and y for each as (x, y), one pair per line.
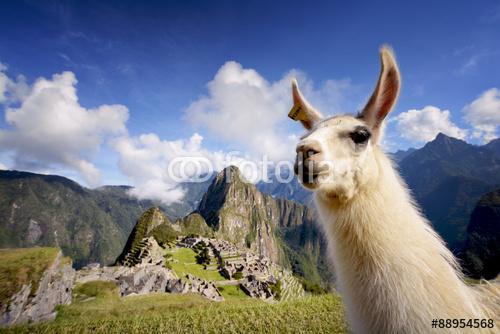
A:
(302, 111)
(386, 92)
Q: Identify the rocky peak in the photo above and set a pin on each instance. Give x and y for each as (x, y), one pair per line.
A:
(446, 146)
(229, 174)
(227, 189)
(241, 214)
(150, 219)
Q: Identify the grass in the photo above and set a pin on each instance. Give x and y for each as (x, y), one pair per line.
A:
(21, 266)
(232, 292)
(186, 264)
(170, 313)
(94, 289)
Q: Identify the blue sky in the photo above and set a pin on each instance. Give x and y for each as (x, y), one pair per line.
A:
(157, 57)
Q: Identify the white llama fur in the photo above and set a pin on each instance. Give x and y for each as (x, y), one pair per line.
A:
(393, 271)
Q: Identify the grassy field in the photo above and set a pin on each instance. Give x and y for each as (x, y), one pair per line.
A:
(169, 313)
(23, 265)
(184, 262)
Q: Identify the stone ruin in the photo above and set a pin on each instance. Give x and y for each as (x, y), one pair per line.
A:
(145, 273)
(146, 252)
(255, 270)
(224, 248)
(206, 289)
(248, 264)
(141, 280)
(257, 288)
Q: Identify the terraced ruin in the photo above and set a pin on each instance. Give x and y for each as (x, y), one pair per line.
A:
(225, 265)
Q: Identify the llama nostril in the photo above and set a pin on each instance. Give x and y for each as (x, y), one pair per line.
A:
(310, 153)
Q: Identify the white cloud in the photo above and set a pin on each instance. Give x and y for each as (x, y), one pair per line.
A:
(11, 90)
(243, 107)
(3, 166)
(49, 131)
(146, 159)
(50, 127)
(423, 125)
(483, 114)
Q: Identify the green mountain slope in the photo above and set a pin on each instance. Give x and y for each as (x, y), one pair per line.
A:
(90, 225)
(280, 229)
(481, 256)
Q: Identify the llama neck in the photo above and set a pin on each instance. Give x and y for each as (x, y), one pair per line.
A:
(391, 266)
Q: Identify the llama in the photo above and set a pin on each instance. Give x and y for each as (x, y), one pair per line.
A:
(394, 272)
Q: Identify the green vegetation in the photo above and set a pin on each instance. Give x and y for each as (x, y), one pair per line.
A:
(165, 313)
(22, 266)
(184, 262)
(230, 292)
(150, 220)
(164, 234)
(312, 287)
(194, 224)
(276, 290)
(202, 255)
(94, 289)
(238, 275)
(305, 264)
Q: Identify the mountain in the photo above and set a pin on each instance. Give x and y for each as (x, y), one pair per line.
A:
(280, 229)
(90, 225)
(481, 257)
(285, 185)
(399, 155)
(149, 223)
(448, 176)
(154, 223)
(494, 145)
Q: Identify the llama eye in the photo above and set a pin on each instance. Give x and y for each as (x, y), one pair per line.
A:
(360, 135)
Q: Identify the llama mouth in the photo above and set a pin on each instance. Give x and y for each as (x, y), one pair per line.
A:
(309, 168)
(310, 178)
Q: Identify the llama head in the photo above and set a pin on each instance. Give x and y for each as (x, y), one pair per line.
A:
(336, 156)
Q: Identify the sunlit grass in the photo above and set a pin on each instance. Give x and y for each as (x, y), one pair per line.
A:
(23, 266)
(184, 262)
(170, 313)
(232, 292)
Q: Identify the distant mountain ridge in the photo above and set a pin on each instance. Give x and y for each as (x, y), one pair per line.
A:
(90, 225)
(447, 177)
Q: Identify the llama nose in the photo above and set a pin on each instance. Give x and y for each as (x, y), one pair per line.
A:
(308, 148)
(306, 151)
